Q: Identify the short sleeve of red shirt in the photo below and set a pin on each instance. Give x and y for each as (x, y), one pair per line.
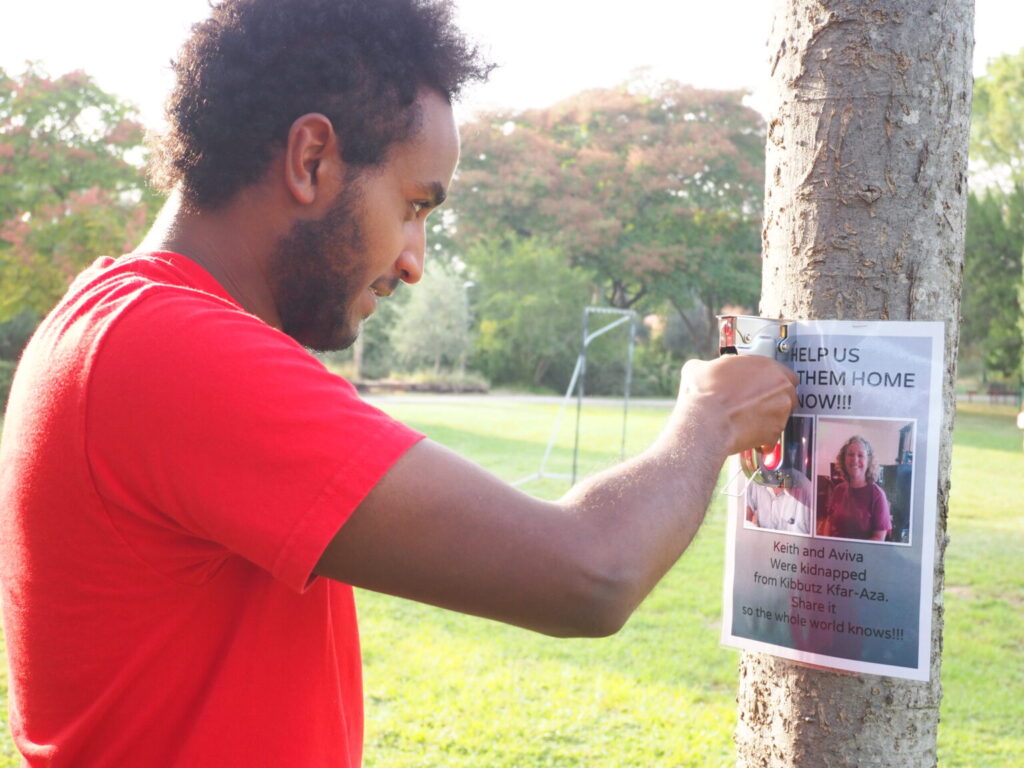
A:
(204, 420)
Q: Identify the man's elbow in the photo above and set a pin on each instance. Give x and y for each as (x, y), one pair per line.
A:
(601, 601)
(603, 621)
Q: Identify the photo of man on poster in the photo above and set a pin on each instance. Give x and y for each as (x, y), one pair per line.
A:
(786, 508)
(780, 495)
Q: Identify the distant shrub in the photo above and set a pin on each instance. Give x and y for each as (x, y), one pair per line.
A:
(449, 381)
(6, 377)
(14, 334)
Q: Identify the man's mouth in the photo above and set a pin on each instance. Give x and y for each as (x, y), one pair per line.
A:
(382, 288)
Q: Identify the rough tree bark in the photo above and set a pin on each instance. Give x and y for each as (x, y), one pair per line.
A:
(864, 219)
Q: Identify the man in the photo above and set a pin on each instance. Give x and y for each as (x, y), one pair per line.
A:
(187, 494)
(781, 508)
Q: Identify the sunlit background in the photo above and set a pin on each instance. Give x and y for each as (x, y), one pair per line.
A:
(547, 50)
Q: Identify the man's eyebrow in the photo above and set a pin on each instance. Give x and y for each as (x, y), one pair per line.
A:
(435, 192)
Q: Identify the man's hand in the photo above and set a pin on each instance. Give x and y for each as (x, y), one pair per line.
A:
(753, 396)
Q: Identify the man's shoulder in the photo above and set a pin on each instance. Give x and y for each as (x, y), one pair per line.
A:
(185, 326)
(759, 496)
(161, 298)
(802, 486)
(136, 274)
(108, 289)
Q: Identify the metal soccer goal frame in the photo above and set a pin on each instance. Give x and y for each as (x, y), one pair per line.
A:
(577, 385)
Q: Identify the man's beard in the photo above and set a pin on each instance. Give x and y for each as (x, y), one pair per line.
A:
(315, 273)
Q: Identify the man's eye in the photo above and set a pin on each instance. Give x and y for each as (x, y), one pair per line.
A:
(419, 205)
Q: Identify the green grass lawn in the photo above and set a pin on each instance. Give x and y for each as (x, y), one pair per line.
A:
(449, 690)
(983, 660)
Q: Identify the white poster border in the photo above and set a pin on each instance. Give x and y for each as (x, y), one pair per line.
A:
(922, 672)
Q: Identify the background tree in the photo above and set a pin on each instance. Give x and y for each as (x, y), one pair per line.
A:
(433, 328)
(653, 189)
(992, 280)
(995, 221)
(864, 219)
(997, 132)
(1020, 319)
(71, 185)
(527, 301)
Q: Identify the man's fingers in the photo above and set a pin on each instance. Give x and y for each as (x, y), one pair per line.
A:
(754, 396)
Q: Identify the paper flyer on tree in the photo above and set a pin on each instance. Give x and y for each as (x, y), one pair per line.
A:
(831, 536)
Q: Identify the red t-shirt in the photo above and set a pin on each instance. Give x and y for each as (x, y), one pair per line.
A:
(171, 470)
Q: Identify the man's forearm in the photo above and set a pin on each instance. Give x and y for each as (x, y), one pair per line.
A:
(639, 516)
(441, 530)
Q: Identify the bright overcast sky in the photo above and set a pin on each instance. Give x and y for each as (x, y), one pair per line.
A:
(547, 49)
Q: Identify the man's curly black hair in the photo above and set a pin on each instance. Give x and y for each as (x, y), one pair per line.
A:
(254, 66)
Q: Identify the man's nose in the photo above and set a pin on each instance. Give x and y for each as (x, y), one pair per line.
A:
(409, 264)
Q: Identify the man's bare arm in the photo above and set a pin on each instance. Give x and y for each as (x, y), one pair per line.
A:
(441, 530)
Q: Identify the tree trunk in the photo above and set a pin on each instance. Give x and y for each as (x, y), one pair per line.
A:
(864, 219)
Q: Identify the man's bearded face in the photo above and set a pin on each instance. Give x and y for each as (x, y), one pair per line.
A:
(316, 271)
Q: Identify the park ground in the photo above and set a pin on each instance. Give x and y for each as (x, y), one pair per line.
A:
(455, 691)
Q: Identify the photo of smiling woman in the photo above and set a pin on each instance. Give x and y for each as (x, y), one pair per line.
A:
(858, 507)
(864, 474)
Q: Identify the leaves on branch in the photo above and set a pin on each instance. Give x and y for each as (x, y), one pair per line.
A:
(654, 191)
(71, 184)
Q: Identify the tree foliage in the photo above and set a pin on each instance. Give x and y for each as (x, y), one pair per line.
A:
(655, 191)
(1020, 320)
(997, 130)
(993, 284)
(991, 306)
(528, 303)
(433, 329)
(71, 185)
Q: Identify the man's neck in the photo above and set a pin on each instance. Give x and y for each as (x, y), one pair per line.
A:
(231, 243)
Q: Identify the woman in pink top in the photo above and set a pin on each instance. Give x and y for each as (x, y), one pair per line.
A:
(858, 508)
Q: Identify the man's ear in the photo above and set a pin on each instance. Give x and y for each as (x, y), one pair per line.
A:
(311, 157)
